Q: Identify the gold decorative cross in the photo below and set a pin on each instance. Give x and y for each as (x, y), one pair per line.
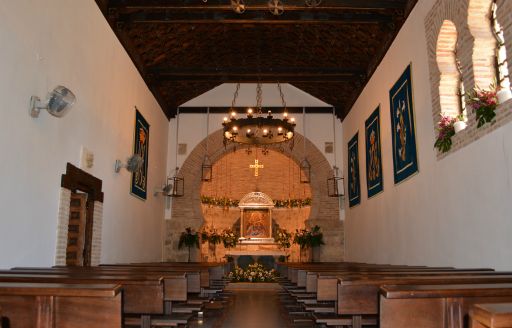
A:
(256, 167)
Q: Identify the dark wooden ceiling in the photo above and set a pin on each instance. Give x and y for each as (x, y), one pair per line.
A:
(184, 48)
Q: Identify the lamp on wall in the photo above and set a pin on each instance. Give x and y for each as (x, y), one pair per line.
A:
(305, 166)
(335, 183)
(58, 102)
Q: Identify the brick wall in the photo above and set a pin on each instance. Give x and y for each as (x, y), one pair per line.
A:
(279, 179)
(475, 51)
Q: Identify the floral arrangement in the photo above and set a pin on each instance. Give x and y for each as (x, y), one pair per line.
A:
(301, 238)
(283, 238)
(309, 238)
(317, 237)
(228, 202)
(229, 238)
(484, 103)
(254, 273)
(211, 236)
(445, 132)
(189, 238)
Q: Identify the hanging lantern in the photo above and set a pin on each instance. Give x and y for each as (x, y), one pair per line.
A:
(206, 169)
(177, 185)
(335, 187)
(305, 171)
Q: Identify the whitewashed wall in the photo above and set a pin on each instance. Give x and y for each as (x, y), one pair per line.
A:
(192, 127)
(456, 211)
(46, 43)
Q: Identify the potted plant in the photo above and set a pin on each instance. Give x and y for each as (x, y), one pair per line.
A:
(316, 240)
(484, 103)
(445, 132)
(189, 238)
(213, 238)
(460, 123)
(302, 238)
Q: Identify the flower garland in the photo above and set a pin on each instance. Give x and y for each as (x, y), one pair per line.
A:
(228, 202)
(254, 273)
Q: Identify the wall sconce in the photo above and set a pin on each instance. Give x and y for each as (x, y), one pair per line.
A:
(133, 163)
(58, 102)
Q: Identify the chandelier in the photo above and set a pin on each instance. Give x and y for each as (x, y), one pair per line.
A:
(258, 128)
(276, 7)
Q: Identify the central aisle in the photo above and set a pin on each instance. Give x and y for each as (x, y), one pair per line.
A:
(254, 309)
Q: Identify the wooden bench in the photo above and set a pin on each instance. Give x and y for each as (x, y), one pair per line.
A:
(60, 305)
(435, 306)
(498, 315)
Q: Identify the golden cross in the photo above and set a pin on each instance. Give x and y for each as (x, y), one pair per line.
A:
(256, 167)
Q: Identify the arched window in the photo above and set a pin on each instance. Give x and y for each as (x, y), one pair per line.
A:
(501, 65)
(450, 84)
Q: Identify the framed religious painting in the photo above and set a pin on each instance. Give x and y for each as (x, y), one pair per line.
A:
(354, 186)
(374, 181)
(139, 183)
(403, 135)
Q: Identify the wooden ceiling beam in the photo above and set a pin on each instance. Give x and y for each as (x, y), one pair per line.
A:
(257, 5)
(269, 75)
(168, 17)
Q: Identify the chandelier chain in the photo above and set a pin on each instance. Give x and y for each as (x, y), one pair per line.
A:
(281, 95)
(235, 96)
(259, 97)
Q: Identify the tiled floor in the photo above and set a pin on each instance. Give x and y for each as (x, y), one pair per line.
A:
(249, 309)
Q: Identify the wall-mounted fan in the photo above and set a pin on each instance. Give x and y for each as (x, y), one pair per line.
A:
(133, 163)
(58, 102)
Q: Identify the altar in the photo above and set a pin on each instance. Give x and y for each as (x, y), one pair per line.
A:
(255, 254)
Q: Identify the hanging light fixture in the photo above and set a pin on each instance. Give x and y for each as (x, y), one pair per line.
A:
(206, 167)
(335, 183)
(176, 182)
(305, 166)
(258, 128)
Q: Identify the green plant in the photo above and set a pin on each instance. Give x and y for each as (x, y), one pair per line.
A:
(188, 238)
(484, 103)
(316, 237)
(445, 132)
(301, 238)
(211, 236)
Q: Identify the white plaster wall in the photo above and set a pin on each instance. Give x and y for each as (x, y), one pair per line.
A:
(457, 211)
(46, 43)
(192, 127)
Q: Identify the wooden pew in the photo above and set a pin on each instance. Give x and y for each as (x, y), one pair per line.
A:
(436, 306)
(498, 315)
(60, 305)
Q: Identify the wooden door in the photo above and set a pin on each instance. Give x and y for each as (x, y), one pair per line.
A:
(76, 229)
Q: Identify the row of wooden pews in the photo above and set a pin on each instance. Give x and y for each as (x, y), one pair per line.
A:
(122, 295)
(389, 296)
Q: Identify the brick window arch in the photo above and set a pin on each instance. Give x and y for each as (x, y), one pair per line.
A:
(483, 58)
(501, 63)
(450, 83)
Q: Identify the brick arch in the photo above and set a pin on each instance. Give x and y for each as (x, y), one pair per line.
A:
(484, 46)
(450, 77)
(186, 210)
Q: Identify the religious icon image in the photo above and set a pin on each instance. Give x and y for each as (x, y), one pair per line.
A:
(140, 147)
(256, 224)
(354, 189)
(405, 161)
(373, 154)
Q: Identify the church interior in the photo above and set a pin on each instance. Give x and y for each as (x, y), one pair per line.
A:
(256, 163)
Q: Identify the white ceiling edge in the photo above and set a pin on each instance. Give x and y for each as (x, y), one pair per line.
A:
(222, 96)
